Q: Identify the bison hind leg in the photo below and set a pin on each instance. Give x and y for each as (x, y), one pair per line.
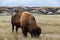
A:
(12, 28)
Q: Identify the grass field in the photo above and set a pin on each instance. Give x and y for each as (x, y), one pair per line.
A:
(49, 24)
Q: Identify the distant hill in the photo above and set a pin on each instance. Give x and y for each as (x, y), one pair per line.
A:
(38, 10)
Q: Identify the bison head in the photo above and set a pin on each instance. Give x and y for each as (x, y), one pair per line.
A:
(36, 32)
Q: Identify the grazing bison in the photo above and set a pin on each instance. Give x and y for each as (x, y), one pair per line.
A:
(27, 23)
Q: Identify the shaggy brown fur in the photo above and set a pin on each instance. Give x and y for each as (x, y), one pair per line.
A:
(27, 22)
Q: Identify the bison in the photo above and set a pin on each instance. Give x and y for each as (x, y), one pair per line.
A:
(25, 21)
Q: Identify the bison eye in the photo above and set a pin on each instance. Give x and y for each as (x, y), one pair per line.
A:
(33, 30)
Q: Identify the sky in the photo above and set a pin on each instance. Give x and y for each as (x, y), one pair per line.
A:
(29, 2)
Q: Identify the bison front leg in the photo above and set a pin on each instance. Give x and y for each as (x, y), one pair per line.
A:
(32, 35)
(24, 32)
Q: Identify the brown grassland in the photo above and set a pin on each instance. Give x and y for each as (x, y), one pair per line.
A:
(49, 24)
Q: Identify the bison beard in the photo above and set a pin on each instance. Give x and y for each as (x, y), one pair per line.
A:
(27, 23)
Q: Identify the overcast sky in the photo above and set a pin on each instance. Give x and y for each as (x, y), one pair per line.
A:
(29, 2)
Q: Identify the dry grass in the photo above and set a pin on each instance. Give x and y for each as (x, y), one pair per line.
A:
(50, 24)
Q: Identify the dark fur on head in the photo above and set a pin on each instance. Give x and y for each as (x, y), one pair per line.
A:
(36, 32)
